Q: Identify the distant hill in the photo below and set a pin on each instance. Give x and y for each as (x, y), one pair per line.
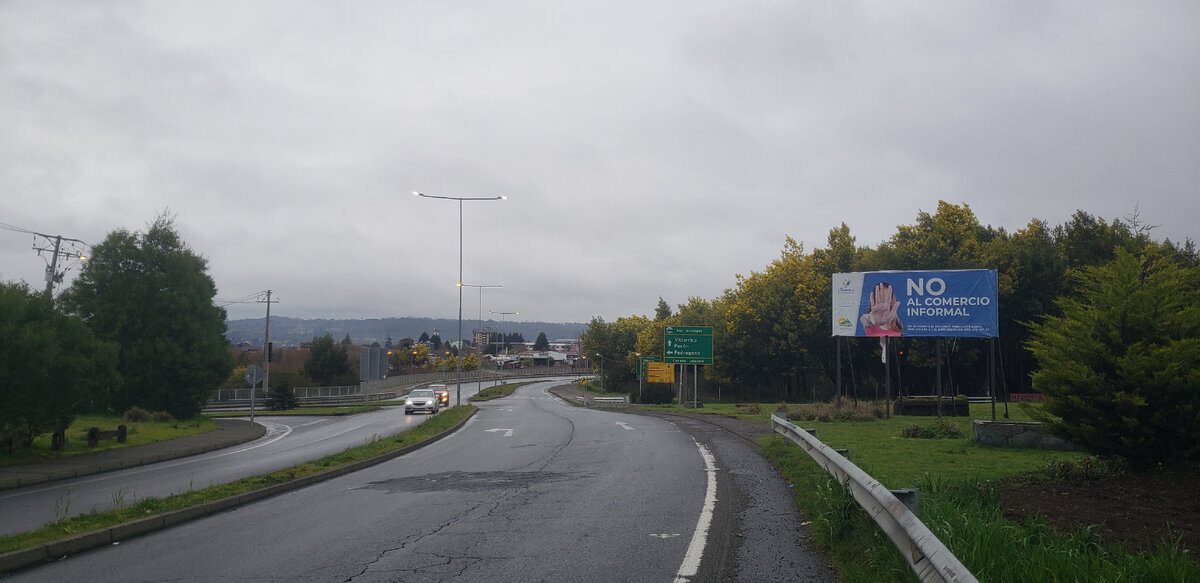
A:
(292, 331)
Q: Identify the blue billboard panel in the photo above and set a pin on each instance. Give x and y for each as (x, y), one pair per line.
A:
(957, 303)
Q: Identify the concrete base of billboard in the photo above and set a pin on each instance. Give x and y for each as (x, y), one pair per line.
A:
(1020, 435)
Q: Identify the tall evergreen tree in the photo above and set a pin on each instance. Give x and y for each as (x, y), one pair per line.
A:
(152, 296)
(1121, 366)
(663, 311)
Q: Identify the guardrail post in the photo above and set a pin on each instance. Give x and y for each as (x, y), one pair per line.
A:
(911, 497)
(929, 559)
(844, 453)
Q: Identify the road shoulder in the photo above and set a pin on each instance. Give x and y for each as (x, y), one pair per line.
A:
(762, 536)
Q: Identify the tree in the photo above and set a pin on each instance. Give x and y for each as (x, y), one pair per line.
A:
(152, 296)
(51, 366)
(611, 345)
(772, 317)
(423, 338)
(327, 363)
(1120, 367)
(663, 311)
(542, 343)
(347, 341)
(417, 355)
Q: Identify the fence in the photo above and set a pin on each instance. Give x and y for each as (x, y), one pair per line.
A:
(391, 384)
(925, 554)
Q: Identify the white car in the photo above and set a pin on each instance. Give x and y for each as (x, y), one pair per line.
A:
(421, 400)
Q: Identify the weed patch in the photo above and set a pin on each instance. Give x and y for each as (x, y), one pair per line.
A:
(939, 429)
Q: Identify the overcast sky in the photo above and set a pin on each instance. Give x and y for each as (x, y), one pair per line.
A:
(647, 148)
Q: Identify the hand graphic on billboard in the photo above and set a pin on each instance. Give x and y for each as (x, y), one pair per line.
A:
(883, 313)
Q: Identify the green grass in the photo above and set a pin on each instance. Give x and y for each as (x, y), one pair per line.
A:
(497, 392)
(68, 527)
(957, 504)
(76, 444)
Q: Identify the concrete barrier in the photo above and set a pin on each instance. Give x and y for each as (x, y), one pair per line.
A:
(1019, 434)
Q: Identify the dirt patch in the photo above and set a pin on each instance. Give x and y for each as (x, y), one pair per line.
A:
(1139, 511)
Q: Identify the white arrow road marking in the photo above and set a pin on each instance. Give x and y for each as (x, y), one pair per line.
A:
(507, 432)
(665, 535)
(625, 425)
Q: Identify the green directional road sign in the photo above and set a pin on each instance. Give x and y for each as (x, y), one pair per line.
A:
(642, 360)
(688, 345)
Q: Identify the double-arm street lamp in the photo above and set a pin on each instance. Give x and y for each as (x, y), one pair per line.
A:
(502, 315)
(479, 380)
(460, 199)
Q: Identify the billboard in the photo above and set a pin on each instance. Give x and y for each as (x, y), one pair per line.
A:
(956, 303)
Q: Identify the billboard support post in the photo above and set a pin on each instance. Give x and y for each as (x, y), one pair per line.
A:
(887, 379)
(839, 372)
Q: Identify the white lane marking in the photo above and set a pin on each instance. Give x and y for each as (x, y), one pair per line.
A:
(695, 551)
(625, 425)
(507, 432)
(665, 535)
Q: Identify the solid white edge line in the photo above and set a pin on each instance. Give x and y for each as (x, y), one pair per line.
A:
(695, 551)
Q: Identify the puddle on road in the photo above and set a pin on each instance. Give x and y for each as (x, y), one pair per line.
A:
(466, 481)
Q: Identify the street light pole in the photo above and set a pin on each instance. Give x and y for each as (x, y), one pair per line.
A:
(479, 379)
(460, 199)
(502, 342)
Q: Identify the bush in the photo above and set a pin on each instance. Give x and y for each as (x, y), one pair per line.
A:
(137, 415)
(162, 417)
(657, 393)
(1120, 368)
(939, 429)
(282, 398)
(749, 409)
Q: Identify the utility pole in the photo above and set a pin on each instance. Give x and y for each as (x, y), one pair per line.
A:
(53, 276)
(266, 353)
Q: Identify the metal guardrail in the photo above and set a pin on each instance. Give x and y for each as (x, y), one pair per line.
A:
(924, 553)
(610, 401)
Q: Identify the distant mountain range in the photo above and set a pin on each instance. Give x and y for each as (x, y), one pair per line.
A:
(292, 331)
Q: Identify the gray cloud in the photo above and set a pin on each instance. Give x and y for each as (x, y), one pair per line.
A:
(648, 149)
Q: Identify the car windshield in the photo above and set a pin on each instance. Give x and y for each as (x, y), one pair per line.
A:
(421, 393)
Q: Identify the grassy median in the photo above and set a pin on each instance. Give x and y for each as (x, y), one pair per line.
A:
(70, 526)
(137, 434)
(497, 392)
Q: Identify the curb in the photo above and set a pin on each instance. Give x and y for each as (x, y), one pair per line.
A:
(13, 560)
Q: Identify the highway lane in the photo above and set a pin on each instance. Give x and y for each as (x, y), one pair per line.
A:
(289, 441)
(531, 489)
